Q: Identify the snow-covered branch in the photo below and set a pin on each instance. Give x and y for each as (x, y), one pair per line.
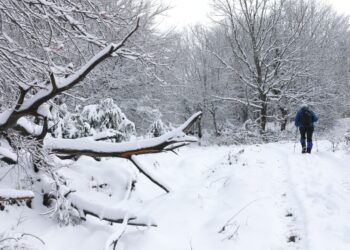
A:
(13, 196)
(30, 105)
(232, 99)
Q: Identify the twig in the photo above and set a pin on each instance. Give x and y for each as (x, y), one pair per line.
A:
(20, 237)
(228, 222)
(118, 235)
(34, 236)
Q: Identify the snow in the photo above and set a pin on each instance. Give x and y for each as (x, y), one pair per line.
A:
(325, 202)
(232, 197)
(6, 152)
(88, 203)
(150, 172)
(29, 126)
(44, 110)
(4, 116)
(115, 237)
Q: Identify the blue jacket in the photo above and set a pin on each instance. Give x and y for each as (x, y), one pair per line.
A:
(314, 118)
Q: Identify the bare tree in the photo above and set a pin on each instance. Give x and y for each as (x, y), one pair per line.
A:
(268, 43)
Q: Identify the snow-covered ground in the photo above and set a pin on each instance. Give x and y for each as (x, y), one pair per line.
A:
(260, 197)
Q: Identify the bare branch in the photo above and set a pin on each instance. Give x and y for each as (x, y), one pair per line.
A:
(141, 168)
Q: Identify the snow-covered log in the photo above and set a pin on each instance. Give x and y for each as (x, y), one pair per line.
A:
(13, 196)
(87, 146)
(115, 215)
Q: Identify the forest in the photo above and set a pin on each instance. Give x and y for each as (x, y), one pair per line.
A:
(108, 121)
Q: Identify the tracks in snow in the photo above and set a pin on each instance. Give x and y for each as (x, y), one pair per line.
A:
(315, 195)
(319, 187)
(296, 202)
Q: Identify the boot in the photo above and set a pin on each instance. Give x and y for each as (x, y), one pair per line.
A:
(309, 147)
(304, 150)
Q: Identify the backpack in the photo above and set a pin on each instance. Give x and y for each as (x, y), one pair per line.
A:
(306, 118)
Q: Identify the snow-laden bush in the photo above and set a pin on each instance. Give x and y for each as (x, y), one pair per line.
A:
(65, 214)
(67, 125)
(250, 133)
(92, 120)
(335, 138)
(338, 134)
(347, 140)
(158, 128)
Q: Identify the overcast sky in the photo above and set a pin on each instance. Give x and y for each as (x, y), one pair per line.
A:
(186, 12)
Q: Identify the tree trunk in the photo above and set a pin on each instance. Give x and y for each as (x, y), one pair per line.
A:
(199, 125)
(263, 112)
(213, 113)
(284, 121)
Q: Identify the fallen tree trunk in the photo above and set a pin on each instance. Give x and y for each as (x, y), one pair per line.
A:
(89, 147)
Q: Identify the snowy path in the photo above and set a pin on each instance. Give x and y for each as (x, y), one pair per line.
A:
(224, 198)
(321, 184)
(267, 197)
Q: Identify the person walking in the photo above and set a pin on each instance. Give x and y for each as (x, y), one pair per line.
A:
(304, 120)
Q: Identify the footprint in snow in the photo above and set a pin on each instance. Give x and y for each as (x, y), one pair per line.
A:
(346, 185)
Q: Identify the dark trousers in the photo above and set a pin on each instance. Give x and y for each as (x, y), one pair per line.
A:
(306, 136)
